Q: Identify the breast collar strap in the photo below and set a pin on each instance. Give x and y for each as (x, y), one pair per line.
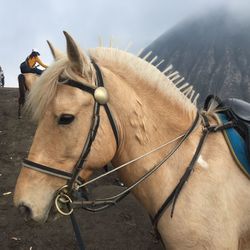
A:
(73, 176)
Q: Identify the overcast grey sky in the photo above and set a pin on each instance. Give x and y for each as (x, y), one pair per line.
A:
(27, 24)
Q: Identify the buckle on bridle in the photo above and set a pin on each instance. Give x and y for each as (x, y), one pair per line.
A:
(63, 201)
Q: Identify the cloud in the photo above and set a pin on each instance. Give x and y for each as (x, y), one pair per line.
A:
(28, 24)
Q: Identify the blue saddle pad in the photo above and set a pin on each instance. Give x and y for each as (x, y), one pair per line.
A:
(237, 145)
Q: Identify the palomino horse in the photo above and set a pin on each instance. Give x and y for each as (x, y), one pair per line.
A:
(148, 110)
(25, 82)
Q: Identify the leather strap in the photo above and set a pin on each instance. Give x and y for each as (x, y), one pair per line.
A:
(87, 146)
(91, 90)
(77, 232)
(83, 87)
(207, 128)
(106, 107)
(175, 193)
(47, 170)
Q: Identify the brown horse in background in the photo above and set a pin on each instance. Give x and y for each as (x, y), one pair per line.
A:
(25, 82)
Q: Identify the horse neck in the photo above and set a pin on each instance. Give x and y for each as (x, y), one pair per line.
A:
(146, 119)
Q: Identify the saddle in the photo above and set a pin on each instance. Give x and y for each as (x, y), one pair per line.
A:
(237, 112)
(239, 108)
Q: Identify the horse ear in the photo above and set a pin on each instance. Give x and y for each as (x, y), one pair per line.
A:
(55, 52)
(76, 57)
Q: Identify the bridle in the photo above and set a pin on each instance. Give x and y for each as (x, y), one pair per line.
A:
(64, 194)
(100, 96)
(74, 182)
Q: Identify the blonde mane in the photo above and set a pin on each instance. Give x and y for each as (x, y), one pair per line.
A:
(123, 62)
(45, 88)
(118, 61)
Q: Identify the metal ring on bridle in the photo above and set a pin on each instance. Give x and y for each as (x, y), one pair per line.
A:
(101, 95)
(63, 199)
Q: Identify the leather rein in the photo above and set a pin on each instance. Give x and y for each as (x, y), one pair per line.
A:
(74, 182)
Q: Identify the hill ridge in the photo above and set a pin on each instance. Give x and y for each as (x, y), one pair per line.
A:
(211, 51)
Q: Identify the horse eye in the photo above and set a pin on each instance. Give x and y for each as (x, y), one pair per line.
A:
(65, 119)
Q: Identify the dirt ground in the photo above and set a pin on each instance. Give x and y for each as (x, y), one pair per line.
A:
(125, 226)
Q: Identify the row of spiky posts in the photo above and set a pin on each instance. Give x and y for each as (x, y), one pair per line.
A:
(174, 76)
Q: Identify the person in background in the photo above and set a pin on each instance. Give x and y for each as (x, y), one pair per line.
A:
(1, 77)
(30, 65)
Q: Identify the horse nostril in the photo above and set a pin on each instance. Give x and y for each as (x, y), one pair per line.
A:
(25, 212)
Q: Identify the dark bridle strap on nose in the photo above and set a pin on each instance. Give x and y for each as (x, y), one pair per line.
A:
(47, 170)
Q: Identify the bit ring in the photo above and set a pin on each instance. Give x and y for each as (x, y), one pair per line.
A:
(63, 199)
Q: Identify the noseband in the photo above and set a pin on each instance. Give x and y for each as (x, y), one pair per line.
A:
(100, 95)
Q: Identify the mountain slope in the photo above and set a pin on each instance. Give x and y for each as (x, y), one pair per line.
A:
(212, 52)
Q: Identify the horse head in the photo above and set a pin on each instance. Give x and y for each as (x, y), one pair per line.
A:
(65, 116)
